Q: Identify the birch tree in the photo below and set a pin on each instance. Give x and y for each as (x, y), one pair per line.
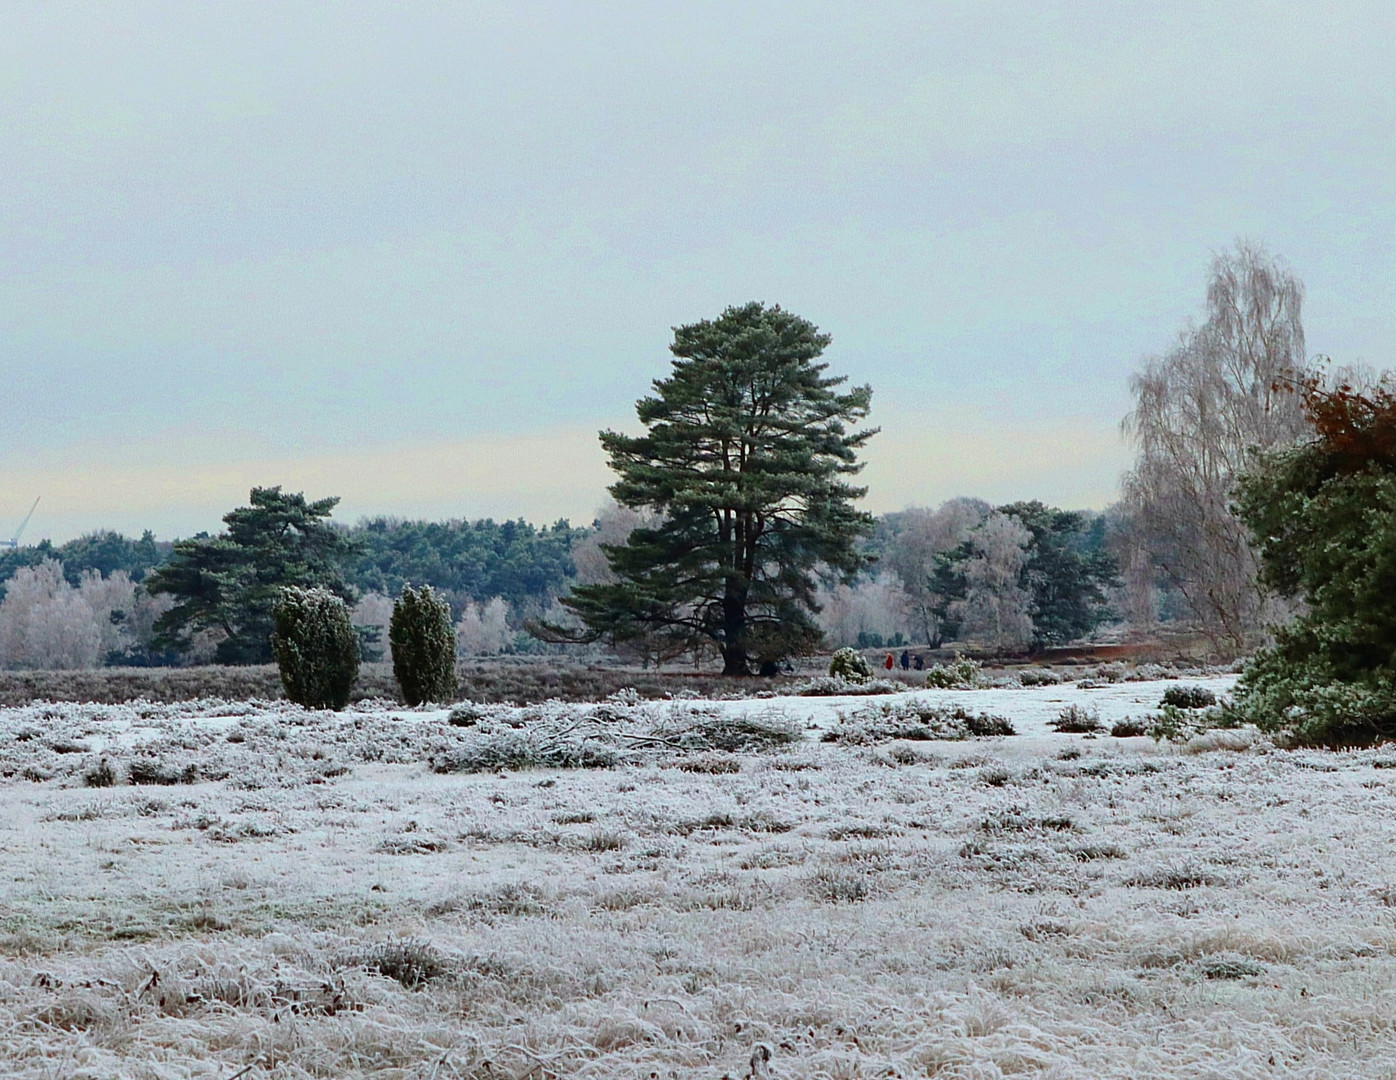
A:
(1202, 413)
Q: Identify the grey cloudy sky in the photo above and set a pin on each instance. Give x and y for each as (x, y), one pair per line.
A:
(417, 255)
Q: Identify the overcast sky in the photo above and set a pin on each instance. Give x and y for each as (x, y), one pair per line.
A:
(417, 255)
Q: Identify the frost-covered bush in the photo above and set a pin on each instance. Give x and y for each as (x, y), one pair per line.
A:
(915, 721)
(515, 749)
(960, 674)
(1077, 720)
(1038, 677)
(1189, 697)
(850, 665)
(424, 646)
(466, 714)
(832, 686)
(316, 648)
(705, 731)
(1178, 725)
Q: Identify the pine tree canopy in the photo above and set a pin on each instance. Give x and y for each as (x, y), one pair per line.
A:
(230, 583)
(746, 454)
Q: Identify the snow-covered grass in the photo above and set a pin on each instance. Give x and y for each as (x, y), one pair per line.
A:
(324, 895)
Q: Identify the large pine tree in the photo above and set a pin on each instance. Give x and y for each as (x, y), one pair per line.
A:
(747, 448)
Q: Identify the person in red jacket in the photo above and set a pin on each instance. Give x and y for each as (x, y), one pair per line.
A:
(890, 662)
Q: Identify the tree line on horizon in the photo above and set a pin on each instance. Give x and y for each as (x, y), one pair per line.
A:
(499, 575)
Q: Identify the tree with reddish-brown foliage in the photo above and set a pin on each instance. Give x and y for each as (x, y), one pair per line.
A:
(1323, 518)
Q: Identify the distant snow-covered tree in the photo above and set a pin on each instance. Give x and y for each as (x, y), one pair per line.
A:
(483, 629)
(46, 623)
(374, 611)
(851, 614)
(112, 603)
(996, 609)
(913, 539)
(613, 526)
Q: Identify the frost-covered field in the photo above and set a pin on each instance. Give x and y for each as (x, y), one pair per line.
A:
(298, 894)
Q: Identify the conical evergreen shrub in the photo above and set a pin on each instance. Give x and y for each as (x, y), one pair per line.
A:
(315, 647)
(424, 646)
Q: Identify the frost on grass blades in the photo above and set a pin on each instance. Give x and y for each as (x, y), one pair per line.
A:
(296, 893)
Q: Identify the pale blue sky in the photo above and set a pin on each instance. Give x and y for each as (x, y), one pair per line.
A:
(416, 255)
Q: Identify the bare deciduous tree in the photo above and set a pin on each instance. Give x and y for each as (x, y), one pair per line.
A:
(46, 623)
(920, 534)
(1201, 412)
(375, 612)
(996, 609)
(614, 524)
(867, 607)
(112, 603)
(483, 629)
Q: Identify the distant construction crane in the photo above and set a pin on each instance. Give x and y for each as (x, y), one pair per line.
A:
(13, 542)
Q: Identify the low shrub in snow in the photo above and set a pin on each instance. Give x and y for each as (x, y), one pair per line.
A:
(515, 750)
(413, 964)
(1038, 677)
(100, 775)
(466, 714)
(1076, 720)
(1128, 728)
(1188, 696)
(702, 731)
(833, 686)
(155, 771)
(960, 674)
(850, 665)
(1179, 725)
(424, 646)
(316, 648)
(913, 721)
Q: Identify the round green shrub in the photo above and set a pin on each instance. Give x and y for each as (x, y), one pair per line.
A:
(424, 646)
(850, 665)
(315, 647)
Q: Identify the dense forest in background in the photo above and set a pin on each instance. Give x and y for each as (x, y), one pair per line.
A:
(466, 560)
(499, 575)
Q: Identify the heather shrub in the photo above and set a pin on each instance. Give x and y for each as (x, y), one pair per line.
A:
(850, 665)
(100, 775)
(1077, 720)
(424, 646)
(833, 686)
(316, 648)
(1188, 697)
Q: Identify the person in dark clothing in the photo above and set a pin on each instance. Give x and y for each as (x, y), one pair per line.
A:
(919, 663)
(906, 660)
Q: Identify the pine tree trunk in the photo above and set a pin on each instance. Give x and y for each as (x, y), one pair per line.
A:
(734, 658)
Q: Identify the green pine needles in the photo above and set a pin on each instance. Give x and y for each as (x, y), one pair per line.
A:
(315, 647)
(745, 459)
(424, 646)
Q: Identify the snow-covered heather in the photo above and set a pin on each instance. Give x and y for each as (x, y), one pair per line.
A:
(318, 902)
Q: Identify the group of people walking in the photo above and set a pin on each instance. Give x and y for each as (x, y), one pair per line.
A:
(907, 661)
